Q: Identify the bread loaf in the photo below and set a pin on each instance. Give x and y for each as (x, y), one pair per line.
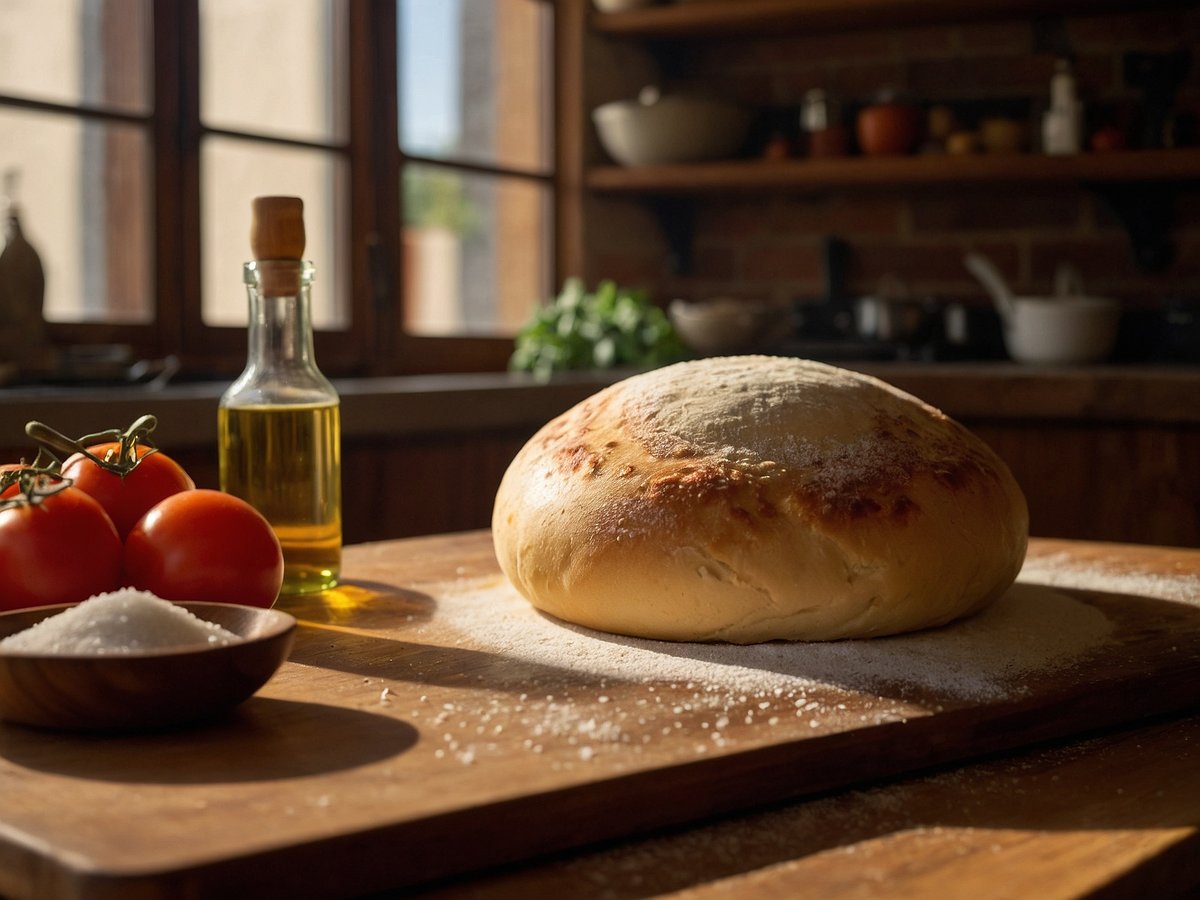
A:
(753, 498)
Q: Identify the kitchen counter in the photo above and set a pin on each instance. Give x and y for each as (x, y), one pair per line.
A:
(458, 403)
(426, 734)
(424, 454)
(370, 406)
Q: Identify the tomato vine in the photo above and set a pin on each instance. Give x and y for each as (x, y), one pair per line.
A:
(124, 460)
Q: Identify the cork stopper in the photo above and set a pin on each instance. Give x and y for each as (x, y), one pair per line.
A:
(277, 234)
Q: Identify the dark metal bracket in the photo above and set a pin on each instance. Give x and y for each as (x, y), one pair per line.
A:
(676, 221)
(1147, 211)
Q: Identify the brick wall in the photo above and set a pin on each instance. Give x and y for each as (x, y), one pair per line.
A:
(769, 245)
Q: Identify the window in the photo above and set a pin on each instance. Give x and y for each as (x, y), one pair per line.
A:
(475, 147)
(273, 103)
(418, 133)
(76, 138)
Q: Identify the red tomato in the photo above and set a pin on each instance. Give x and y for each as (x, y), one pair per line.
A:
(61, 549)
(205, 545)
(126, 499)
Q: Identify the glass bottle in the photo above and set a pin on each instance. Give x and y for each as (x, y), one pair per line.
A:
(279, 427)
(1063, 121)
(22, 285)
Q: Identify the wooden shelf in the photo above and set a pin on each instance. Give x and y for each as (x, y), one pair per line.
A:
(1137, 185)
(750, 18)
(817, 175)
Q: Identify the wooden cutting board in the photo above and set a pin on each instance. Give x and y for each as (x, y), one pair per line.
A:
(429, 724)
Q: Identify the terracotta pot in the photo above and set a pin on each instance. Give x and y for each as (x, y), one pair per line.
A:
(888, 129)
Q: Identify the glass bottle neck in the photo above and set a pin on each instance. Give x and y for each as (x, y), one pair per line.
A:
(281, 367)
(12, 224)
(280, 328)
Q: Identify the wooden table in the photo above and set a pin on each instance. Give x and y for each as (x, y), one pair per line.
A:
(400, 747)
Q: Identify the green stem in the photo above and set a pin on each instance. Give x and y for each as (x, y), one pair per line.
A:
(34, 484)
(127, 458)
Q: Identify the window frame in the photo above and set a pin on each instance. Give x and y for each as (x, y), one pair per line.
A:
(375, 343)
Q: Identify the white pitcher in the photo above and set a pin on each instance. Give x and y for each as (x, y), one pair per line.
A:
(1068, 328)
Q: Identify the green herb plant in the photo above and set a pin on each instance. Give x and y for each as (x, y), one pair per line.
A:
(608, 328)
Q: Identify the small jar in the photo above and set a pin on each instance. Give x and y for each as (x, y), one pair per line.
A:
(819, 121)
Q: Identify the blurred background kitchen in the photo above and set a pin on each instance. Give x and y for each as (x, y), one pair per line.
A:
(992, 205)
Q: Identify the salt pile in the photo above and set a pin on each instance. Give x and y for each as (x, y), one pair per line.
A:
(120, 622)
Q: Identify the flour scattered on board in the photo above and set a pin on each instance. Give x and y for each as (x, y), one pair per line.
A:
(1063, 570)
(1030, 631)
(554, 697)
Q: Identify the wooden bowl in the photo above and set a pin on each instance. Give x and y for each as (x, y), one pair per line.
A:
(138, 691)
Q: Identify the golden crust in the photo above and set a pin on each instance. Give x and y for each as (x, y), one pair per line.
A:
(679, 505)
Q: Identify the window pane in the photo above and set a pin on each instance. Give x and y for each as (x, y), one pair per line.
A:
(274, 67)
(79, 52)
(475, 81)
(84, 197)
(476, 251)
(234, 172)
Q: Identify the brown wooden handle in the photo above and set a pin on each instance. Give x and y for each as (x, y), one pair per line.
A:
(277, 228)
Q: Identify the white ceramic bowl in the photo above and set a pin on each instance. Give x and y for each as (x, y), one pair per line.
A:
(726, 325)
(1062, 330)
(607, 6)
(672, 128)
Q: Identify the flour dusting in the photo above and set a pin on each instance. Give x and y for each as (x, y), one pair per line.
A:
(579, 697)
(1030, 631)
(1063, 570)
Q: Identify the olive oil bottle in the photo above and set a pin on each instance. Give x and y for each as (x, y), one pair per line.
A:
(279, 427)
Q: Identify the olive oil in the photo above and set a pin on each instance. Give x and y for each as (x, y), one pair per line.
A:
(278, 424)
(286, 462)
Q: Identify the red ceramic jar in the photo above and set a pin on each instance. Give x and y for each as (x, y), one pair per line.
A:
(888, 129)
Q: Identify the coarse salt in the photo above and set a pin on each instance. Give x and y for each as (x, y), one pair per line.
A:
(120, 622)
